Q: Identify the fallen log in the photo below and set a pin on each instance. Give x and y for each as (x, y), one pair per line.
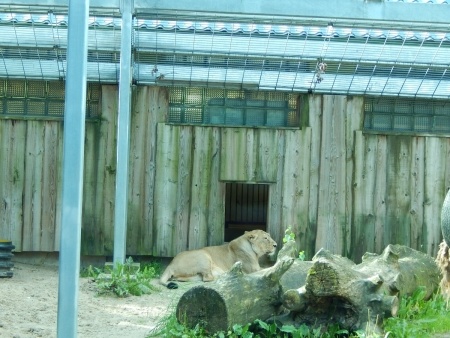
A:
(234, 298)
(337, 291)
(328, 290)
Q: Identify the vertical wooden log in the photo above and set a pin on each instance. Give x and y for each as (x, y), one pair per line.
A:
(59, 180)
(274, 214)
(353, 121)
(183, 207)
(12, 153)
(32, 194)
(200, 187)
(435, 162)
(50, 165)
(380, 193)
(398, 200)
(166, 185)
(296, 183)
(237, 155)
(266, 154)
(107, 165)
(216, 212)
(331, 232)
(89, 234)
(315, 121)
(150, 106)
(417, 191)
(137, 168)
(359, 191)
(99, 178)
(363, 230)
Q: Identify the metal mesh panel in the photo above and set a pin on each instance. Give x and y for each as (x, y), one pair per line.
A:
(381, 122)
(255, 117)
(15, 107)
(232, 107)
(406, 115)
(234, 116)
(423, 123)
(56, 108)
(402, 122)
(2, 88)
(276, 118)
(175, 114)
(93, 110)
(56, 90)
(36, 89)
(35, 107)
(193, 115)
(94, 91)
(442, 123)
(15, 89)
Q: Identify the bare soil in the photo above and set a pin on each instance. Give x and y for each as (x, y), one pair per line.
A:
(29, 306)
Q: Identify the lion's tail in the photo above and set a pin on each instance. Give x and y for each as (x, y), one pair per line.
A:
(164, 280)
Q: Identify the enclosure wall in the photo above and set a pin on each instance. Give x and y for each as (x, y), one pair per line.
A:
(335, 186)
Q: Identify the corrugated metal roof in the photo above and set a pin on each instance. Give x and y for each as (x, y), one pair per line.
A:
(215, 50)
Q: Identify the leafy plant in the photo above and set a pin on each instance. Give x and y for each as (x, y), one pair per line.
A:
(301, 255)
(170, 327)
(289, 236)
(124, 279)
(90, 272)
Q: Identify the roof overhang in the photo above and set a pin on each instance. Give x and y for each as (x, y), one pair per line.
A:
(367, 47)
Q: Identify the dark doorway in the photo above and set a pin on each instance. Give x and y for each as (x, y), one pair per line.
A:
(245, 208)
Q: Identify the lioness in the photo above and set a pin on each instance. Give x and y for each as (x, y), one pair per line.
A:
(209, 262)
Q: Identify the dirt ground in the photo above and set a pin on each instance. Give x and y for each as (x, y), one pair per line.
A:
(29, 305)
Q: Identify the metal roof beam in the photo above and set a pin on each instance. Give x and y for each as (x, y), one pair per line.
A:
(300, 81)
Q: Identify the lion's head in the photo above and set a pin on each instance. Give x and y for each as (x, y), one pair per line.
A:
(262, 243)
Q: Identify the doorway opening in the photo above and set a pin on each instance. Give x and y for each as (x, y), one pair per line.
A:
(246, 208)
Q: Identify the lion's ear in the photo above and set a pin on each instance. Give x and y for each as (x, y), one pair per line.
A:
(251, 236)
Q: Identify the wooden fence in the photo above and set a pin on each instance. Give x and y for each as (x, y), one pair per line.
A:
(335, 186)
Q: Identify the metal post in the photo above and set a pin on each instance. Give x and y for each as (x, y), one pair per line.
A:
(123, 131)
(73, 162)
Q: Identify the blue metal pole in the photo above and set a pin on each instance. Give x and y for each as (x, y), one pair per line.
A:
(73, 162)
(123, 131)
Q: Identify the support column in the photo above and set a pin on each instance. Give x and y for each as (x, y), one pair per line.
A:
(123, 134)
(73, 163)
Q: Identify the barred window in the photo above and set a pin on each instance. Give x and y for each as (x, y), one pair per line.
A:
(209, 106)
(407, 116)
(42, 99)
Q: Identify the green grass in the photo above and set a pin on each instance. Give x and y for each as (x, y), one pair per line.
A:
(420, 318)
(417, 318)
(124, 279)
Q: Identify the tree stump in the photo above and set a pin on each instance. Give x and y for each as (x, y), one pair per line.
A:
(337, 291)
(234, 298)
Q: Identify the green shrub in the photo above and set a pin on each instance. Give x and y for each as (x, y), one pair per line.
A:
(124, 279)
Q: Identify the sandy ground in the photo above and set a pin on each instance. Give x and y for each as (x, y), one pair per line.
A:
(29, 305)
